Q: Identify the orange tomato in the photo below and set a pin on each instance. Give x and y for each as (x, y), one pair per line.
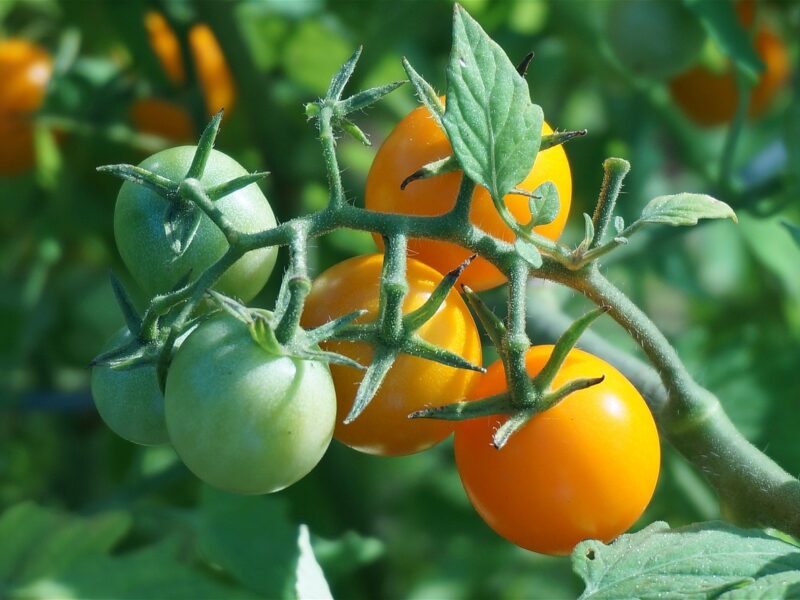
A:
(416, 141)
(412, 383)
(166, 46)
(213, 74)
(212, 69)
(585, 468)
(25, 71)
(163, 118)
(710, 98)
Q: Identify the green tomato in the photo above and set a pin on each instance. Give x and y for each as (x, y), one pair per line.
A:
(145, 248)
(654, 38)
(243, 419)
(130, 400)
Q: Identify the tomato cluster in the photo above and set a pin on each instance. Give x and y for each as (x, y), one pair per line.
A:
(169, 119)
(250, 412)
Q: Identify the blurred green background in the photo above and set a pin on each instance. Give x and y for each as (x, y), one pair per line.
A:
(727, 296)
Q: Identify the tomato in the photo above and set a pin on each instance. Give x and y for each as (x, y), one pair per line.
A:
(130, 401)
(162, 118)
(212, 69)
(209, 61)
(710, 98)
(166, 46)
(654, 38)
(146, 251)
(25, 70)
(412, 383)
(416, 141)
(243, 419)
(585, 468)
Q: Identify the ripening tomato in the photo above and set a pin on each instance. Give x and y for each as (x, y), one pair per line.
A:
(584, 469)
(209, 61)
(146, 249)
(710, 98)
(412, 383)
(162, 118)
(25, 70)
(244, 419)
(416, 141)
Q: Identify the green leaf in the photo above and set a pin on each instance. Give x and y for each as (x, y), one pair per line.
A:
(529, 252)
(492, 125)
(341, 556)
(722, 24)
(778, 585)
(543, 204)
(38, 542)
(154, 572)
(698, 561)
(685, 209)
(310, 581)
(252, 538)
(793, 230)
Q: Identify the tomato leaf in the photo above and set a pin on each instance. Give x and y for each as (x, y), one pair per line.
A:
(310, 581)
(543, 204)
(793, 230)
(39, 542)
(493, 127)
(722, 24)
(702, 560)
(685, 209)
(254, 539)
(529, 252)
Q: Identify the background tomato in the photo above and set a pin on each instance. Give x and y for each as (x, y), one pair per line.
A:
(25, 70)
(163, 118)
(584, 469)
(209, 61)
(710, 98)
(130, 401)
(653, 38)
(146, 251)
(412, 383)
(242, 419)
(416, 141)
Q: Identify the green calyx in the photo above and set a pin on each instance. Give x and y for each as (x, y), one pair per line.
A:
(263, 326)
(394, 333)
(188, 199)
(539, 398)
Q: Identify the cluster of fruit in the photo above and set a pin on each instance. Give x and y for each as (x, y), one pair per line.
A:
(250, 413)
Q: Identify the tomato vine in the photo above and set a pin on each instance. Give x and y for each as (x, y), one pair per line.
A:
(690, 417)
